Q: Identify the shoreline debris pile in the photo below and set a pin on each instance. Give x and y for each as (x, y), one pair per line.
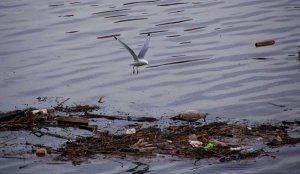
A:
(213, 140)
(222, 140)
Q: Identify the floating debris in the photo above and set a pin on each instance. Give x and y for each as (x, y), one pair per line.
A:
(72, 120)
(41, 151)
(43, 112)
(219, 143)
(216, 139)
(209, 146)
(264, 43)
(236, 148)
(130, 131)
(143, 146)
(193, 140)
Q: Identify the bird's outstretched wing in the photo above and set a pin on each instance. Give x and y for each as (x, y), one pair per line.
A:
(128, 48)
(145, 47)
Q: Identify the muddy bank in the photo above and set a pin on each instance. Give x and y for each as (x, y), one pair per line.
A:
(186, 140)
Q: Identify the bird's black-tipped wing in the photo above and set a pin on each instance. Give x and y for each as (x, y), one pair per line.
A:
(128, 48)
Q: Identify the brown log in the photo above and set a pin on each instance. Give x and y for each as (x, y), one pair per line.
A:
(264, 43)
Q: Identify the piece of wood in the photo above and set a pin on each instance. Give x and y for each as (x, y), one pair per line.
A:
(11, 115)
(116, 117)
(72, 120)
(264, 43)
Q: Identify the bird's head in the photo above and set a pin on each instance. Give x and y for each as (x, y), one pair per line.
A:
(146, 61)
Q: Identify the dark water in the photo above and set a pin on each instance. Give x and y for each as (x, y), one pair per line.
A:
(202, 57)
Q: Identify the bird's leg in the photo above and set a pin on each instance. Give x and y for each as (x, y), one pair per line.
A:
(133, 70)
(137, 70)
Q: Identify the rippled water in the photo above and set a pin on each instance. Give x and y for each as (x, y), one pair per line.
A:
(202, 57)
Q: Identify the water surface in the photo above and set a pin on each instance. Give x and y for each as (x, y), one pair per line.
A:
(202, 57)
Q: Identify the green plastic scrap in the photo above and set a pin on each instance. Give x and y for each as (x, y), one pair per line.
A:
(209, 146)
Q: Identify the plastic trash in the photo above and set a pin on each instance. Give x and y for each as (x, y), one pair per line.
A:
(193, 140)
(209, 146)
(219, 143)
(195, 143)
(172, 152)
(43, 112)
(278, 138)
(130, 131)
(237, 148)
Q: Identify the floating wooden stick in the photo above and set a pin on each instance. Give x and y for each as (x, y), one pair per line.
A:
(264, 43)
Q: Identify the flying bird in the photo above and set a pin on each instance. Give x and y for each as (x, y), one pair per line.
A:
(138, 59)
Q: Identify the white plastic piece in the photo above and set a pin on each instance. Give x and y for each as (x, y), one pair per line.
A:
(237, 148)
(130, 131)
(195, 143)
(40, 111)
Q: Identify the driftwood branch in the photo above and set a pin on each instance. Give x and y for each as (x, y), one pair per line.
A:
(116, 117)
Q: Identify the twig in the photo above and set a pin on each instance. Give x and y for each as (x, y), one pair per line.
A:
(115, 117)
(61, 103)
(36, 132)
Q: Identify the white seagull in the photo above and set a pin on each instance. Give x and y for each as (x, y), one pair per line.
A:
(138, 59)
